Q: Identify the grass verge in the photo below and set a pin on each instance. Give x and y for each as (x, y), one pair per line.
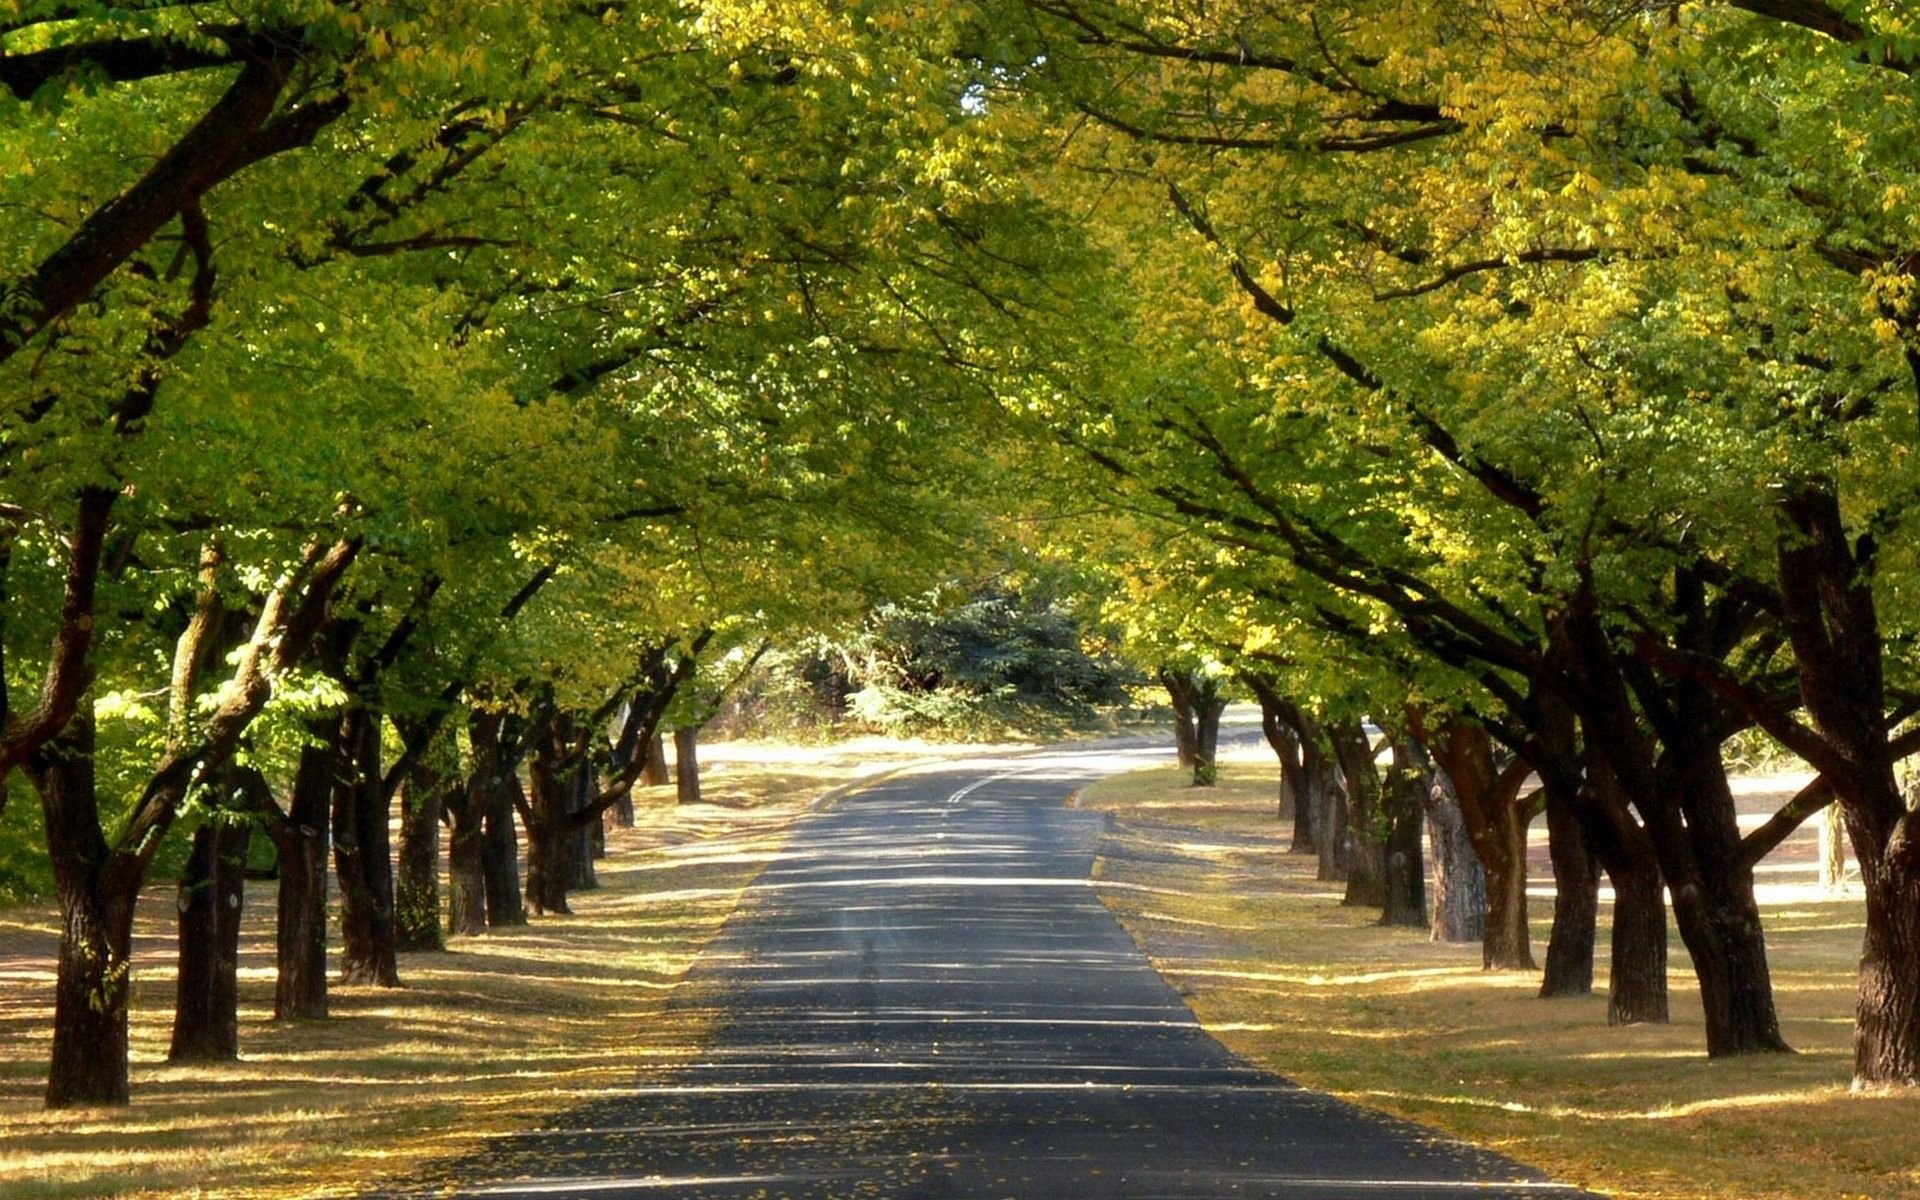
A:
(490, 1035)
(1275, 968)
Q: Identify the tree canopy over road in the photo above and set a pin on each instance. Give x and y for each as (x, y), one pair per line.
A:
(412, 400)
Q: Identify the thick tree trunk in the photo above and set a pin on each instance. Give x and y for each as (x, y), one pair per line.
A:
(1403, 810)
(581, 840)
(1327, 792)
(206, 1012)
(1493, 817)
(1366, 825)
(363, 859)
(1459, 881)
(1576, 902)
(654, 774)
(1637, 986)
(466, 872)
(93, 977)
(1886, 1035)
(417, 892)
(1286, 748)
(1186, 738)
(686, 763)
(300, 935)
(500, 854)
(550, 843)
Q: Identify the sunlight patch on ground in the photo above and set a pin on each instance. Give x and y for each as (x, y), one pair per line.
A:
(1321, 994)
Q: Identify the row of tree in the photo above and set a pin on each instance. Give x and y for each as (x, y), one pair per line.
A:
(397, 400)
(1539, 380)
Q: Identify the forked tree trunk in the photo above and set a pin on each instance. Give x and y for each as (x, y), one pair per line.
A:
(206, 1009)
(1366, 825)
(92, 982)
(363, 859)
(1459, 881)
(300, 934)
(1484, 795)
(686, 763)
(620, 816)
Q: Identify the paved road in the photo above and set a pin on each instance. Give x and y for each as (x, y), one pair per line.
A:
(924, 998)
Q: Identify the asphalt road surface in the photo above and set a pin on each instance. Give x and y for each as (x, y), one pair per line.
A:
(923, 997)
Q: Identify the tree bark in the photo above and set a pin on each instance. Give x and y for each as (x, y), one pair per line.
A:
(686, 763)
(1576, 902)
(1327, 793)
(1366, 826)
(423, 799)
(206, 1012)
(500, 855)
(1459, 880)
(1493, 816)
(1403, 801)
(1186, 743)
(1637, 985)
(654, 774)
(363, 858)
(94, 974)
(549, 799)
(1833, 849)
(300, 935)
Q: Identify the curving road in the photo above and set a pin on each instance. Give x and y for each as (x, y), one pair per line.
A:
(923, 997)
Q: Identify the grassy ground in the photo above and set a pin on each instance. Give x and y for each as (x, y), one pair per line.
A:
(1286, 977)
(488, 1035)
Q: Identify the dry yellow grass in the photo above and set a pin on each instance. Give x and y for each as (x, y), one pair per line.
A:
(490, 1035)
(1287, 978)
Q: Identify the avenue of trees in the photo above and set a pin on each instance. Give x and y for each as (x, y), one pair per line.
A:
(418, 409)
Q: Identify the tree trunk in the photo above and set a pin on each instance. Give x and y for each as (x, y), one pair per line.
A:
(500, 854)
(300, 935)
(549, 842)
(1286, 748)
(620, 816)
(1186, 737)
(1637, 986)
(93, 978)
(1833, 849)
(1404, 877)
(1327, 793)
(1366, 826)
(1576, 902)
(363, 858)
(417, 892)
(581, 846)
(1459, 880)
(466, 872)
(654, 774)
(1886, 1034)
(1484, 795)
(1208, 707)
(686, 763)
(206, 1014)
